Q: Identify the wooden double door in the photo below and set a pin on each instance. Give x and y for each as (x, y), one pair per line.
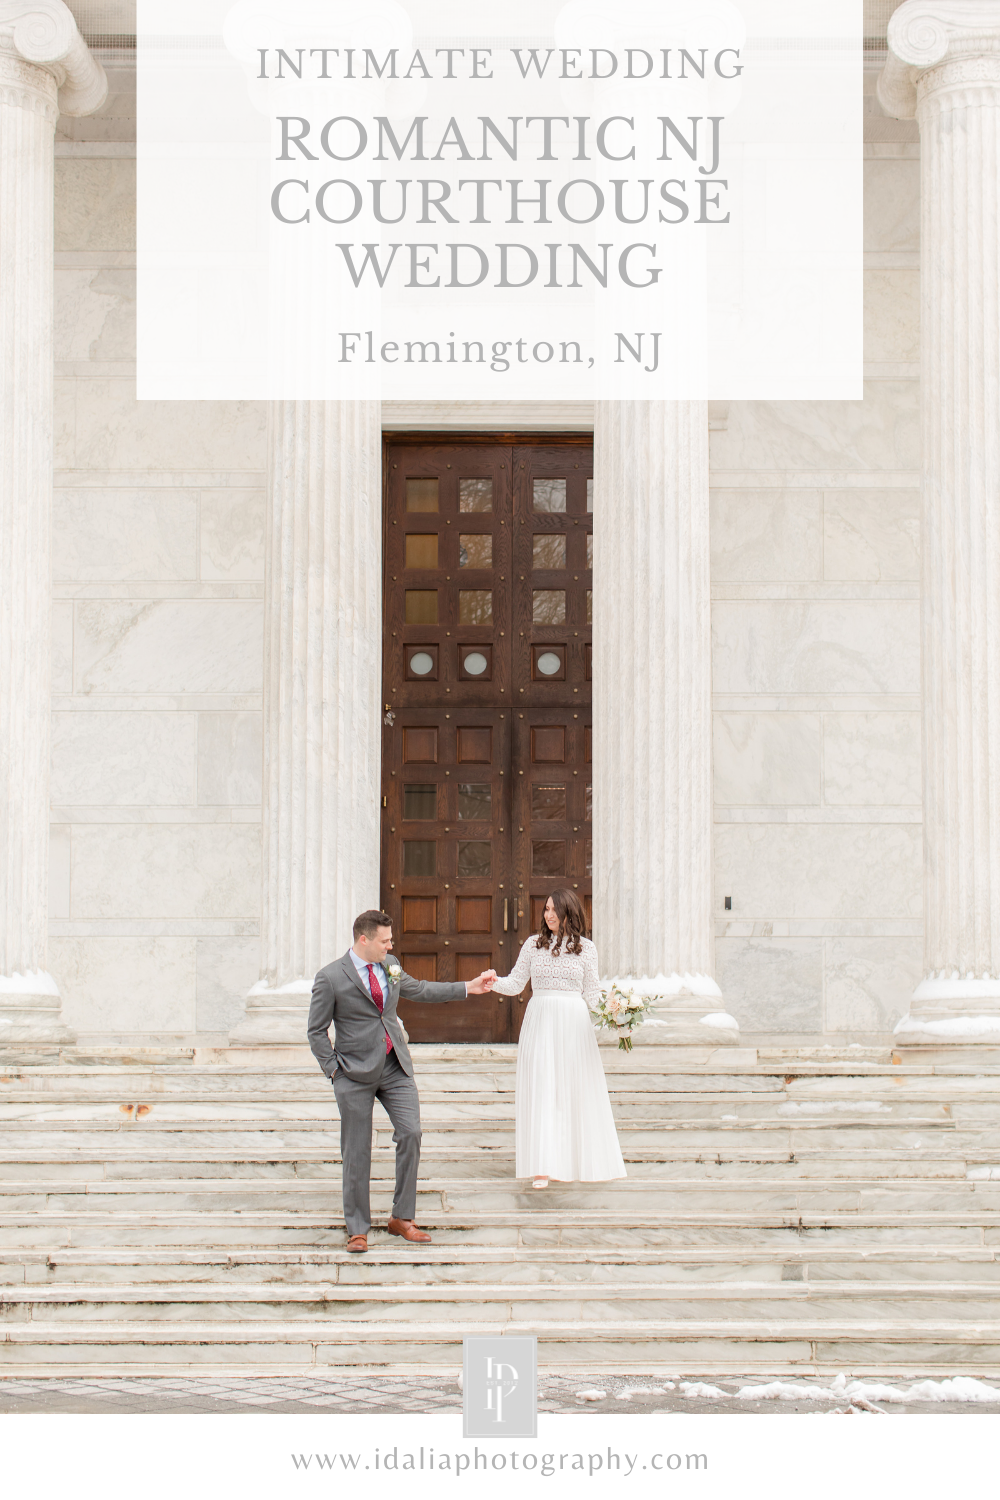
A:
(486, 789)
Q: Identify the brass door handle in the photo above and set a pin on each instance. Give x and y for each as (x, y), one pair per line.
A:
(505, 914)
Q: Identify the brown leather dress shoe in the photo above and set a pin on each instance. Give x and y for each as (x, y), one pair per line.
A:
(357, 1244)
(407, 1230)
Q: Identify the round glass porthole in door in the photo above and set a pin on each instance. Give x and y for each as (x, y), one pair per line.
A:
(548, 663)
(421, 663)
(475, 663)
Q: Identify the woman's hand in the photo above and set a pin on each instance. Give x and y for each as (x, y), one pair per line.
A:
(482, 984)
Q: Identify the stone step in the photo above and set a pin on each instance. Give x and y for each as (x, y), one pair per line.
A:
(637, 1138)
(102, 1083)
(457, 1197)
(926, 1346)
(978, 1058)
(320, 1104)
(465, 1078)
(465, 1082)
(108, 1052)
(674, 1140)
(88, 1177)
(456, 1262)
(473, 1264)
(211, 1224)
(628, 1306)
(467, 1062)
(687, 1061)
(698, 1132)
(319, 1101)
(293, 1140)
(772, 1235)
(278, 1165)
(466, 1056)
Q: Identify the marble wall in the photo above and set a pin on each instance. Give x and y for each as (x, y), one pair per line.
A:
(158, 567)
(816, 597)
(158, 580)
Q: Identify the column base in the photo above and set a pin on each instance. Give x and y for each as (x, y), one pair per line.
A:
(274, 1017)
(31, 1012)
(687, 1010)
(952, 1012)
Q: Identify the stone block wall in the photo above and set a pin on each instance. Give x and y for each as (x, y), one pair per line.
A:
(158, 567)
(816, 669)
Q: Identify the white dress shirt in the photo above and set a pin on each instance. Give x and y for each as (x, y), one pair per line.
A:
(380, 974)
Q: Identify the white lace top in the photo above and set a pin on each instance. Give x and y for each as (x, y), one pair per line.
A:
(549, 971)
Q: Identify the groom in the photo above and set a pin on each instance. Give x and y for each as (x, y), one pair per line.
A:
(370, 1060)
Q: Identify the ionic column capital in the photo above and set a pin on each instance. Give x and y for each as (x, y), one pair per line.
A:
(44, 33)
(958, 41)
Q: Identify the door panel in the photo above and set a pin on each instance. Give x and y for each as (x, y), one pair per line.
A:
(553, 498)
(447, 574)
(446, 860)
(552, 802)
(486, 750)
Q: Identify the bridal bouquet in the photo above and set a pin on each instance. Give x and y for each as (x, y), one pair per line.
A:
(622, 1011)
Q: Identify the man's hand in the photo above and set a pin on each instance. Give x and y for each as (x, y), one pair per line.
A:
(483, 983)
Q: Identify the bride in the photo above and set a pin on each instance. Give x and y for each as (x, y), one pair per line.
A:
(564, 1128)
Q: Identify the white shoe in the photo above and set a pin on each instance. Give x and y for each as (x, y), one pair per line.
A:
(540, 1182)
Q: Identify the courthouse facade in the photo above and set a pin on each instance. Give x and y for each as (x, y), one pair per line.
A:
(732, 671)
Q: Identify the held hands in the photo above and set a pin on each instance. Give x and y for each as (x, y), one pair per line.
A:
(483, 983)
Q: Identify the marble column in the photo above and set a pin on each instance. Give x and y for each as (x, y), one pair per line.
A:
(944, 69)
(322, 701)
(45, 68)
(653, 805)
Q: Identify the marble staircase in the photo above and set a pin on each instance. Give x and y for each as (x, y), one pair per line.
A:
(797, 1210)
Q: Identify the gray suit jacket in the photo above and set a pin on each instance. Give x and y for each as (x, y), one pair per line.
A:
(339, 997)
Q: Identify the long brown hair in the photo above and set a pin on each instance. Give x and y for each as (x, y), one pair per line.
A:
(572, 921)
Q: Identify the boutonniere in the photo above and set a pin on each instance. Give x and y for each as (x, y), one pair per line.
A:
(393, 970)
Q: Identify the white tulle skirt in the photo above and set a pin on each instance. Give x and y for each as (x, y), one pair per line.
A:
(564, 1127)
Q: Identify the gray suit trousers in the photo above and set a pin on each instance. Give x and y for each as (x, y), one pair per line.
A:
(397, 1093)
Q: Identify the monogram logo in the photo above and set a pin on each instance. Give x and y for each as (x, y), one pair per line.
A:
(500, 1387)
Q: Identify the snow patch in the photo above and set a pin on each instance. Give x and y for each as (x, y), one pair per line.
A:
(35, 982)
(966, 1027)
(786, 1390)
(864, 1393)
(722, 1020)
(963, 1388)
(590, 1395)
(697, 1390)
(941, 987)
(665, 986)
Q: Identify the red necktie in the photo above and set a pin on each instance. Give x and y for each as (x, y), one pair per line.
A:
(376, 989)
